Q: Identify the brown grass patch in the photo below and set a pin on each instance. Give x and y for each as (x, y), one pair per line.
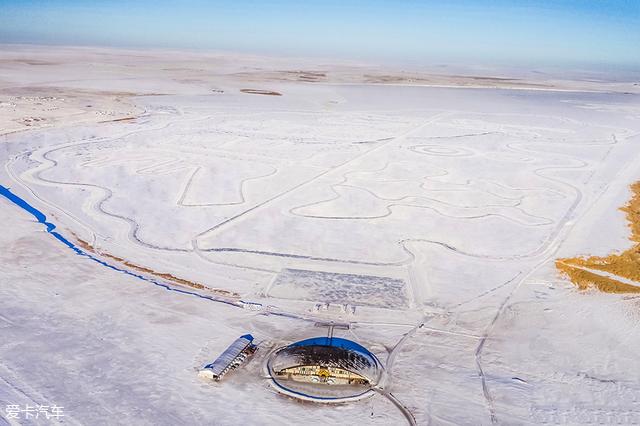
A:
(163, 275)
(31, 62)
(260, 92)
(119, 119)
(625, 264)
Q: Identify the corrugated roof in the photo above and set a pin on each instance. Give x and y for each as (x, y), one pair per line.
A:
(219, 366)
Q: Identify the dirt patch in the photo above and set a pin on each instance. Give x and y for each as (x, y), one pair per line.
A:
(119, 119)
(308, 76)
(53, 92)
(29, 107)
(163, 275)
(29, 62)
(625, 264)
(260, 92)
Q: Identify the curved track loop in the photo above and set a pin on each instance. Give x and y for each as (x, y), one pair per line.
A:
(411, 201)
(106, 194)
(544, 257)
(541, 254)
(241, 194)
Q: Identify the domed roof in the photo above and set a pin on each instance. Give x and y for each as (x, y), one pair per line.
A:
(329, 352)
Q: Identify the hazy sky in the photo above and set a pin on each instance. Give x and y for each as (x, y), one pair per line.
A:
(540, 32)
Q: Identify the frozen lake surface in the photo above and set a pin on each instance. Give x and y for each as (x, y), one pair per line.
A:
(428, 219)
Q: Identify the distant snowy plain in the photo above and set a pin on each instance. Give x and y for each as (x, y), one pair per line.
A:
(432, 211)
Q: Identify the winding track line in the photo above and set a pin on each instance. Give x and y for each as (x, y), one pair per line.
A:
(540, 250)
(547, 254)
(42, 167)
(416, 199)
(108, 194)
(133, 226)
(550, 248)
(133, 231)
(480, 347)
(403, 409)
(313, 179)
(382, 388)
(242, 199)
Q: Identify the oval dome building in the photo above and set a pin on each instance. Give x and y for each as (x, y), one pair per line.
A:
(326, 369)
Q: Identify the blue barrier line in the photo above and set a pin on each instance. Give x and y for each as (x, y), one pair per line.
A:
(42, 218)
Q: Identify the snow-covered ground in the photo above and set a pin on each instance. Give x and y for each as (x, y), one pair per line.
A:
(428, 218)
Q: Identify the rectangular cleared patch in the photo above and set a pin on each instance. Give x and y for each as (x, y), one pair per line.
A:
(329, 287)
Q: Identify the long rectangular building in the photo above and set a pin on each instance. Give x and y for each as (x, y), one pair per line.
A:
(233, 356)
